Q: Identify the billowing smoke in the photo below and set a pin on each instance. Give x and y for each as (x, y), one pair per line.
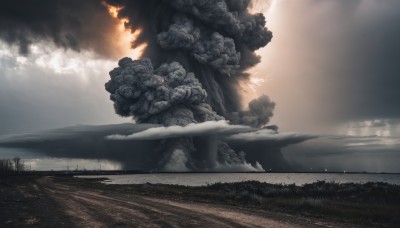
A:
(150, 147)
(259, 113)
(196, 56)
(215, 40)
(215, 50)
(167, 95)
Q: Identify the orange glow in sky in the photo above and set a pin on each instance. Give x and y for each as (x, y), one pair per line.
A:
(113, 10)
(125, 35)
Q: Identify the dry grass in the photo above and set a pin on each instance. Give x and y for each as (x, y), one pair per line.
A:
(371, 204)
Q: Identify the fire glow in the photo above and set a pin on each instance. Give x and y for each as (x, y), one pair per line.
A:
(126, 37)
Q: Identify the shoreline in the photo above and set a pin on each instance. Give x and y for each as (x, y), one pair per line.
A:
(203, 179)
(122, 172)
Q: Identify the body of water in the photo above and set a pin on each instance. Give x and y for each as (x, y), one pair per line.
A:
(199, 179)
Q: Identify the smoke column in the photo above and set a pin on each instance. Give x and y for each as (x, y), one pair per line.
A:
(197, 53)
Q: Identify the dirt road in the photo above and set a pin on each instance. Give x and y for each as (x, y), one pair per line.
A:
(105, 209)
(72, 202)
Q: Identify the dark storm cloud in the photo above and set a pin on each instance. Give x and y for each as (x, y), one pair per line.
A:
(347, 153)
(74, 24)
(258, 147)
(89, 142)
(211, 128)
(148, 150)
(265, 147)
(273, 151)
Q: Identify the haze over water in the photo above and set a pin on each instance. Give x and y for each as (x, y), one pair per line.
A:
(200, 179)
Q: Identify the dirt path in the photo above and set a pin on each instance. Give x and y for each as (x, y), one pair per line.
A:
(91, 208)
(65, 201)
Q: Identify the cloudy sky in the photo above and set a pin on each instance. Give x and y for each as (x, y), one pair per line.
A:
(332, 69)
